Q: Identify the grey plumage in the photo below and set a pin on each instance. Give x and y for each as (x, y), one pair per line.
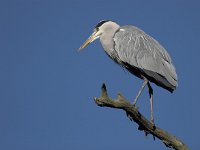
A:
(139, 53)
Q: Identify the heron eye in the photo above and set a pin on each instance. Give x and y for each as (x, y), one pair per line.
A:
(96, 29)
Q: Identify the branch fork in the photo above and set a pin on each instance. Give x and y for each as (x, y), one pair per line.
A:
(144, 124)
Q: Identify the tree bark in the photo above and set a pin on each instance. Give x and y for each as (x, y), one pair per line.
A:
(144, 124)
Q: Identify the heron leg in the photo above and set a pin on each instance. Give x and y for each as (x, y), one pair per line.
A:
(140, 91)
(151, 101)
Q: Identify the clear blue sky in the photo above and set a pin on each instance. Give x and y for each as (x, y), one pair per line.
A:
(47, 87)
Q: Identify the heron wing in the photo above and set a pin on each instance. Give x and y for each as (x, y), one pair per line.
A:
(136, 48)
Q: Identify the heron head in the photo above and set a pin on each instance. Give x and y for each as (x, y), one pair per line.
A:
(100, 28)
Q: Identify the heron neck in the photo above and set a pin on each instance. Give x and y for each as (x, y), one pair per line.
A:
(107, 41)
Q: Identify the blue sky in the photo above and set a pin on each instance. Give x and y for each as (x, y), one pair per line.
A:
(47, 87)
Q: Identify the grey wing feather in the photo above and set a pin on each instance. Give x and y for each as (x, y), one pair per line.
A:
(138, 49)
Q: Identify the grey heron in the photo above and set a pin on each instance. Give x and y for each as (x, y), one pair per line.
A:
(139, 53)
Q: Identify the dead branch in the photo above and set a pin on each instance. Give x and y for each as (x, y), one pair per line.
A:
(144, 124)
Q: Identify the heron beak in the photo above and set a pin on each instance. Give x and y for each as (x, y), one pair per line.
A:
(93, 37)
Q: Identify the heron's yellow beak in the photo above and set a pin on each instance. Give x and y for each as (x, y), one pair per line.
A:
(93, 37)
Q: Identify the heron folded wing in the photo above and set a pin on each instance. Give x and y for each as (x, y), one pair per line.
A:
(153, 57)
(137, 49)
(125, 46)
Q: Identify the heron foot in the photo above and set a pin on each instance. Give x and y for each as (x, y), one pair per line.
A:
(152, 121)
(134, 105)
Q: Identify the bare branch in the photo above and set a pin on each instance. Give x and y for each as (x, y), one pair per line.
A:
(144, 124)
